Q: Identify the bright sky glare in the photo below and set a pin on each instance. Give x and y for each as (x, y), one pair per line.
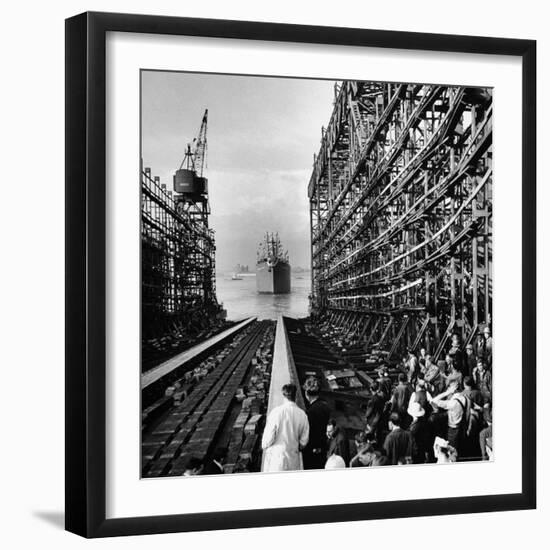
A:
(262, 134)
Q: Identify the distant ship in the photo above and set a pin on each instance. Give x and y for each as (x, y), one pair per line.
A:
(240, 271)
(272, 267)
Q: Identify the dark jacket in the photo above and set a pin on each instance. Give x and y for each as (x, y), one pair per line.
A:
(421, 431)
(483, 380)
(211, 468)
(318, 415)
(400, 399)
(375, 411)
(385, 386)
(458, 357)
(399, 446)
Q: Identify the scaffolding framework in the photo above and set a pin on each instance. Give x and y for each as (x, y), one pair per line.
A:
(401, 215)
(178, 262)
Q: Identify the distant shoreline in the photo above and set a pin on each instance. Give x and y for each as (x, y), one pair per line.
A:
(228, 273)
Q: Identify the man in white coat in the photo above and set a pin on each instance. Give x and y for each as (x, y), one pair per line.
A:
(286, 433)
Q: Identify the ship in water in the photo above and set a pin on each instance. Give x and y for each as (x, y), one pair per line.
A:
(272, 266)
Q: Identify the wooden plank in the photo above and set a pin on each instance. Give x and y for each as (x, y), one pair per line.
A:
(154, 374)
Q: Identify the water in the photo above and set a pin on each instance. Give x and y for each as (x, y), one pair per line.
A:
(241, 299)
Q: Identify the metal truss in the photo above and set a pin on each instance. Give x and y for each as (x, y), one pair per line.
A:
(401, 215)
(178, 269)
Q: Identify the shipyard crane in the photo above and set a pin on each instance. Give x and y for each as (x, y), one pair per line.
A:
(190, 186)
(195, 157)
(200, 146)
(191, 203)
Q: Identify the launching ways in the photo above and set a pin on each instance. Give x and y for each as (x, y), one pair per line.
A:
(212, 396)
(218, 393)
(151, 376)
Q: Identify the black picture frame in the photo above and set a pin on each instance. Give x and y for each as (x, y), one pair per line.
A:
(86, 273)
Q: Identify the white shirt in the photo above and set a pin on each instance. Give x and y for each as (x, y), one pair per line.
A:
(456, 406)
(286, 430)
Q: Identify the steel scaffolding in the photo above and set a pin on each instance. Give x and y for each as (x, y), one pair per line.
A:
(178, 267)
(401, 215)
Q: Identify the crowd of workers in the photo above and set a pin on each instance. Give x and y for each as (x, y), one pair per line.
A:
(436, 411)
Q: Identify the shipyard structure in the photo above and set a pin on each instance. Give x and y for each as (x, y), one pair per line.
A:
(401, 217)
(204, 380)
(401, 300)
(177, 257)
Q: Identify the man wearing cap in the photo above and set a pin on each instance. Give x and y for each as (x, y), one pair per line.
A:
(479, 347)
(483, 379)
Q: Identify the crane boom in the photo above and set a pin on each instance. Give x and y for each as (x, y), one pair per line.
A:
(200, 146)
(195, 159)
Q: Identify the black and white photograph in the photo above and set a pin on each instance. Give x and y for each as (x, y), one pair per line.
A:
(316, 274)
(255, 267)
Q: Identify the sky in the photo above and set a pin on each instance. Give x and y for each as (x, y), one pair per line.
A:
(262, 135)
